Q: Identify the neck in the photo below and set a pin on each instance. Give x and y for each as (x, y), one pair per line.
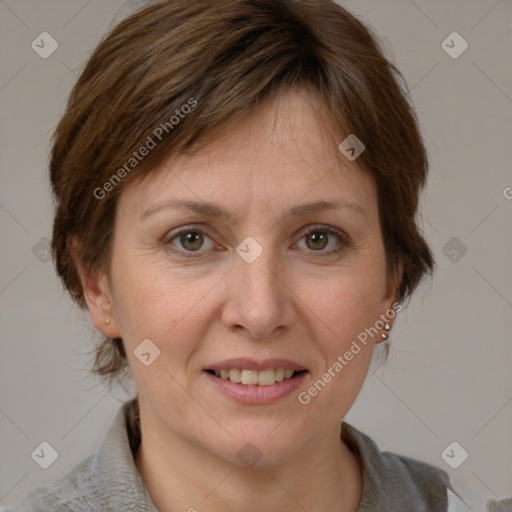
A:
(180, 476)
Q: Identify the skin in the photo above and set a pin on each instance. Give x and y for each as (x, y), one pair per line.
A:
(291, 302)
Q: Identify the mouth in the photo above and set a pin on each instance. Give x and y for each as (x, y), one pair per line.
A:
(256, 383)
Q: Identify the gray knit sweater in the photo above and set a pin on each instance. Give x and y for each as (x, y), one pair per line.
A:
(109, 481)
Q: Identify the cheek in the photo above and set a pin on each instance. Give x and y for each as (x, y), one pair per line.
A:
(348, 302)
(346, 310)
(160, 305)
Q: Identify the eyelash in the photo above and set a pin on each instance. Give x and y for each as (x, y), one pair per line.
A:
(342, 237)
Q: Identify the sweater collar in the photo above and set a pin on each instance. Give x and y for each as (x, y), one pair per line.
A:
(114, 462)
(114, 465)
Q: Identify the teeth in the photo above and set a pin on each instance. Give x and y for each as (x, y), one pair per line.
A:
(249, 377)
(235, 375)
(253, 377)
(266, 377)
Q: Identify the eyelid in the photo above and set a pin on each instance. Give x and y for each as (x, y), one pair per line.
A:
(173, 234)
(343, 238)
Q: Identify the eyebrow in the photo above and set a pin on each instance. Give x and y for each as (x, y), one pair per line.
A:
(213, 210)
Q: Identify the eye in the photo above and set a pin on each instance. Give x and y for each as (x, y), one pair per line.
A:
(319, 237)
(189, 240)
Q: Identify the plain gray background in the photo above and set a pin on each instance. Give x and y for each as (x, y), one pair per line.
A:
(448, 376)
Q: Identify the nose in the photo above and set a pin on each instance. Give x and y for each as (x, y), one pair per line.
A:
(260, 302)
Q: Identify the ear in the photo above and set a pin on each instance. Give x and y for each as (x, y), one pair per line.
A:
(390, 305)
(97, 294)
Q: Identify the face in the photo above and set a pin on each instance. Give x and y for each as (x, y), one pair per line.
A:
(270, 285)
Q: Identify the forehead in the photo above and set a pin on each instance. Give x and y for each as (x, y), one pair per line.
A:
(277, 155)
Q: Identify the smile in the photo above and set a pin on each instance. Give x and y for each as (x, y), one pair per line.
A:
(255, 377)
(251, 382)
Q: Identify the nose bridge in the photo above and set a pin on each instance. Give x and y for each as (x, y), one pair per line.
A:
(257, 267)
(260, 300)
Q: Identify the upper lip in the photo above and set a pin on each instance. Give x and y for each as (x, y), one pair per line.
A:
(251, 364)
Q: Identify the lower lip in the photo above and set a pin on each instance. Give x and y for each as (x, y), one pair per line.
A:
(255, 394)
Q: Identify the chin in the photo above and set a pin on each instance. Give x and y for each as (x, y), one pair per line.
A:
(265, 443)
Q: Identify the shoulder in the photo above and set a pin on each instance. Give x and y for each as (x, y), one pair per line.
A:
(396, 482)
(418, 483)
(61, 495)
(106, 480)
(399, 469)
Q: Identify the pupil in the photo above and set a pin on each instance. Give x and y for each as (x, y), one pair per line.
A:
(318, 237)
(191, 237)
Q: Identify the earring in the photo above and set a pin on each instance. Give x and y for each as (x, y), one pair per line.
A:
(384, 335)
(107, 321)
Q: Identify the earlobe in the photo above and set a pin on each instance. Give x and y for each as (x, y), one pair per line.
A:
(391, 305)
(99, 301)
(97, 296)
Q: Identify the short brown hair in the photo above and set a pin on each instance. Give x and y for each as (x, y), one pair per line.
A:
(222, 57)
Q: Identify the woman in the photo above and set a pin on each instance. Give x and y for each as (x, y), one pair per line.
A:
(236, 187)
